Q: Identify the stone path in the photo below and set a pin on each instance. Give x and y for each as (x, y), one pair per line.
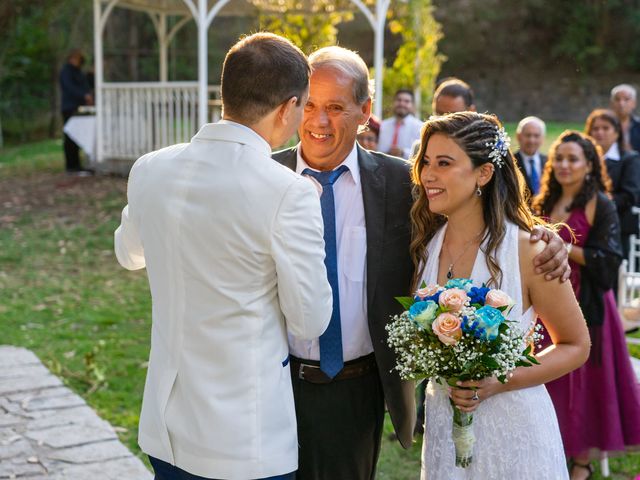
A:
(49, 432)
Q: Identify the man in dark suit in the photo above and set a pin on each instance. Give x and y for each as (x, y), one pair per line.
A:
(343, 380)
(340, 415)
(623, 103)
(530, 133)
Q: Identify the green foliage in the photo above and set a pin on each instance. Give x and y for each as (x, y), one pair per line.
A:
(308, 32)
(578, 36)
(33, 46)
(595, 35)
(406, 302)
(417, 63)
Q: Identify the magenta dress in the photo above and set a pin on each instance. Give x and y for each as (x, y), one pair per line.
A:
(598, 405)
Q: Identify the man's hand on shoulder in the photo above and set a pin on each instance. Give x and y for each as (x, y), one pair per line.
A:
(553, 261)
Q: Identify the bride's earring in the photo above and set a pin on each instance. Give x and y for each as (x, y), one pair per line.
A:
(478, 191)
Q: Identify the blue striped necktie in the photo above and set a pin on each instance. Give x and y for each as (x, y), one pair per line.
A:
(535, 176)
(331, 359)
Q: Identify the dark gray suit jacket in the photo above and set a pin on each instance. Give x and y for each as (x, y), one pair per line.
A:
(625, 179)
(520, 163)
(386, 194)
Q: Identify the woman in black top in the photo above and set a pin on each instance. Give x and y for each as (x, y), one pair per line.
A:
(623, 168)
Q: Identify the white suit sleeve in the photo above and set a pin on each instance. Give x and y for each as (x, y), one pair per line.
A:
(298, 251)
(127, 242)
(128, 247)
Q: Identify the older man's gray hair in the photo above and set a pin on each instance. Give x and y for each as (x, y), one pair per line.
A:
(531, 119)
(349, 63)
(623, 87)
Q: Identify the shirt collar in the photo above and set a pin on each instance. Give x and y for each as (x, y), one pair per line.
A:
(351, 162)
(614, 152)
(247, 129)
(405, 119)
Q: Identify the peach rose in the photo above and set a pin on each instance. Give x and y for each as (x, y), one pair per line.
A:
(499, 299)
(447, 327)
(453, 299)
(426, 291)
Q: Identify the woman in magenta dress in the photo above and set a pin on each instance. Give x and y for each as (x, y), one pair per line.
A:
(598, 405)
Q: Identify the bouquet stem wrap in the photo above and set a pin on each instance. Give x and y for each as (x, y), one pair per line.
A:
(463, 437)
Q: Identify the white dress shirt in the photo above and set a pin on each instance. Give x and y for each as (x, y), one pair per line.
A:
(526, 159)
(351, 239)
(408, 133)
(613, 153)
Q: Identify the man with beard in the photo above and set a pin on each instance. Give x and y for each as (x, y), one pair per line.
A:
(398, 133)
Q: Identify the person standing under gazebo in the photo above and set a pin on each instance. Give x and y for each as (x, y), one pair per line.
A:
(75, 92)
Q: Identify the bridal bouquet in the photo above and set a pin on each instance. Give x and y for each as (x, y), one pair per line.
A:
(457, 333)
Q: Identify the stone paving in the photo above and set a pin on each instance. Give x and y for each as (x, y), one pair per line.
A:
(49, 432)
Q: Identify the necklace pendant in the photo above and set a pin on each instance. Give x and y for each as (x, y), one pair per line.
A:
(450, 272)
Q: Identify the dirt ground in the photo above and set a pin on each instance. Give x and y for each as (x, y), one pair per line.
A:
(61, 197)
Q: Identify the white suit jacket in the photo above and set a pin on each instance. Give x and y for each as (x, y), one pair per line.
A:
(232, 242)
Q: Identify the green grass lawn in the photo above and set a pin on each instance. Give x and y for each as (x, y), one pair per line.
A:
(63, 294)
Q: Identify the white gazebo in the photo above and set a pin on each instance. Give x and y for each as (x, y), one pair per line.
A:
(135, 118)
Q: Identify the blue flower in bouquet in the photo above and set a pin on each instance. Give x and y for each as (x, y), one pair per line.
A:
(461, 283)
(478, 294)
(426, 292)
(423, 313)
(435, 298)
(487, 323)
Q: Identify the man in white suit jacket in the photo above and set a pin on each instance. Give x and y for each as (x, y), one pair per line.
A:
(234, 251)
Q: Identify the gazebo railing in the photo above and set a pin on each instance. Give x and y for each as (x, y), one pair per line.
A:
(137, 118)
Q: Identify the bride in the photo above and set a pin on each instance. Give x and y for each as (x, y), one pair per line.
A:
(470, 194)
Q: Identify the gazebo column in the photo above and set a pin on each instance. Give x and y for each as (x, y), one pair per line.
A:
(382, 6)
(203, 72)
(99, 21)
(98, 73)
(377, 22)
(164, 47)
(160, 25)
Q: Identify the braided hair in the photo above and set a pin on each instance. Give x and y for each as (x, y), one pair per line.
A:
(503, 197)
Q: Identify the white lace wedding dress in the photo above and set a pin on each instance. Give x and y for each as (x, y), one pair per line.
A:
(517, 433)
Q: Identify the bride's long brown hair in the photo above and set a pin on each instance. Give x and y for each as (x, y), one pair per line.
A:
(503, 197)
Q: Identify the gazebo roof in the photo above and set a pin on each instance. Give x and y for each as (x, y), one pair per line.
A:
(203, 12)
(239, 7)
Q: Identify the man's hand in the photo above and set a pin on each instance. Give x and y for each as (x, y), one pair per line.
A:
(553, 261)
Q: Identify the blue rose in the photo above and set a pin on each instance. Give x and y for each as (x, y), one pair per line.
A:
(478, 294)
(461, 283)
(423, 313)
(486, 325)
(434, 298)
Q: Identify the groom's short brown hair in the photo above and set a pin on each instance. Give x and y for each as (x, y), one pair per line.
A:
(260, 72)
